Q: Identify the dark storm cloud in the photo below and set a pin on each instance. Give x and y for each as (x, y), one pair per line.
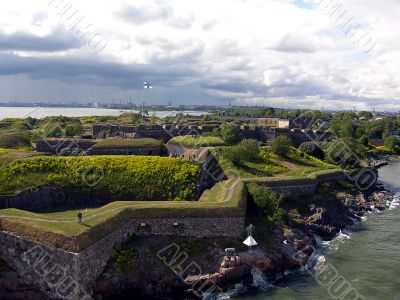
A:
(78, 70)
(58, 40)
(233, 87)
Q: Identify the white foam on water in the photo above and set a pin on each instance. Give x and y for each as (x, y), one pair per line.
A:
(259, 280)
(239, 289)
(321, 243)
(343, 235)
(355, 221)
(320, 262)
(340, 238)
(395, 202)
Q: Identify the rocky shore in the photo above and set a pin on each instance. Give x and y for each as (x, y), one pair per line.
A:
(149, 274)
(324, 214)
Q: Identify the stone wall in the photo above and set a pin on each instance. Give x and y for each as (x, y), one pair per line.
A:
(301, 186)
(48, 269)
(54, 146)
(82, 269)
(158, 151)
(293, 190)
(47, 197)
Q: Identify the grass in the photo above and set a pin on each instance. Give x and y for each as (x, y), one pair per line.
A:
(129, 177)
(9, 155)
(296, 164)
(15, 140)
(60, 229)
(197, 142)
(264, 167)
(127, 143)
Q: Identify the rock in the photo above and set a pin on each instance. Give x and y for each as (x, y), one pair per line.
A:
(11, 284)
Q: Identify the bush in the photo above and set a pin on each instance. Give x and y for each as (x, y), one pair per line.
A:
(123, 260)
(313, 149)
(281, 145)
(230, 133)
(216, 132)
(267, 202)
(73, 129)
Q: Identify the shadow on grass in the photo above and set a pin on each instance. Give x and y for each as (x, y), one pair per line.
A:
(300, 162)
(254, 171)
(66, 208)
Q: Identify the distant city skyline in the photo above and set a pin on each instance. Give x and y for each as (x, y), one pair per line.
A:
(279, 53)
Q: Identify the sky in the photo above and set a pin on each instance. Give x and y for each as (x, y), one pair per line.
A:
(316, 54)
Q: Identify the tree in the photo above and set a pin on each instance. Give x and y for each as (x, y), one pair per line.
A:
(364, 140)
(249, 150)
(346, 128)
(366, 115)
(233, 154)
(389, 141)
(267, 202)
(246, 150)
(281, 145)
(346, 152)
(230, 133)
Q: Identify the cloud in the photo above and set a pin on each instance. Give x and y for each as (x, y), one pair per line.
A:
(281, 52)
(125, 76)
(58, 40)
(143, 14)
(295, 42)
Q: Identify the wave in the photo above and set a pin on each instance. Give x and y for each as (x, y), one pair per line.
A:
(259, 282)
(395, 202)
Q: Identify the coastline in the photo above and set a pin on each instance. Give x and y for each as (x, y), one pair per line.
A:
(269, 263)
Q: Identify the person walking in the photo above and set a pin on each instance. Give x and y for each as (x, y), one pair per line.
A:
(80, 218)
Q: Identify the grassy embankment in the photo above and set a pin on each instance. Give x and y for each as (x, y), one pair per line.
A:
(147, 178)
(197, 142)
(60, 229)
(127, 143)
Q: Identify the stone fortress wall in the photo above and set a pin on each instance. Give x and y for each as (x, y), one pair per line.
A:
(39, 264)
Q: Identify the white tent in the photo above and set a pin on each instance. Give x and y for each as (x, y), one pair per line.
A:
(250, 242)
